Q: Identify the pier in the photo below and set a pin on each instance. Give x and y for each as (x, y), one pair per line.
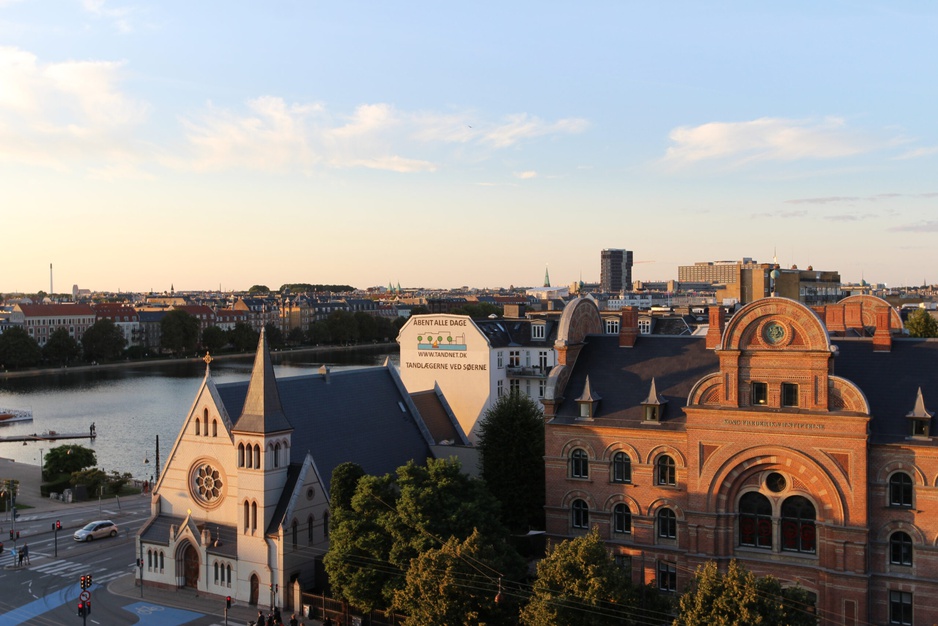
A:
(52, 435)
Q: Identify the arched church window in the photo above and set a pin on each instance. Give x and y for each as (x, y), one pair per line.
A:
(798, 525)
(198, 426)
(755, 521)
(240, 455)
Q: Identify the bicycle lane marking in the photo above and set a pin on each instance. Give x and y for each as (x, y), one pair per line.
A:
(38, 607)
(156, 615)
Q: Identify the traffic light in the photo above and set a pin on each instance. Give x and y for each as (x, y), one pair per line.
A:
(87, 607)
(81, 609)
(228, 602)
(89, 581)
(84, 585)
(58, 525)
(139, 562)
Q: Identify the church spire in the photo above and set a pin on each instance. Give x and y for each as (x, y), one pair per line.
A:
(263, 412)
(546, 276)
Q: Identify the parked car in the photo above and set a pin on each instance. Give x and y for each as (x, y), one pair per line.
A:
(96, 530)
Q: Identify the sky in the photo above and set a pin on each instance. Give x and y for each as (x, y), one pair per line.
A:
(219, 145)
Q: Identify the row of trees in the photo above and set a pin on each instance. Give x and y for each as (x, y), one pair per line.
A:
(71, 465)
(104, 341)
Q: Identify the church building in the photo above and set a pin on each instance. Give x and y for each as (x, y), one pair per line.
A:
(796, 440)
(242, 507)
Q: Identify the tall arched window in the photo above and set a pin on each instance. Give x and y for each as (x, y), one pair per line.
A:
(579, 464)
(665, 473)
(755, 521)
(667, 524)
(205, 415)
(228, 576)
(798, 519)
(621, 468)
(198, 426)
(309, 530)
(277, 455)
(253, 516)
(900, 549)
(150, 559)
(247, 516)
(622, 519)
(162, 562)
(240, 455)
(580, 514)
(216, 572)
(900, 490)
(214, 428)
(257, 456)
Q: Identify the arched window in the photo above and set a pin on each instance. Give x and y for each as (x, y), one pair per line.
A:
(755, 521)
(798, 518)
(900, 490)
(579, 464)
(309, 530)
(214, 428)
(900, 549)
(247, 516)
(621, 468)
(294, 528)
(216, 572)
(150, 559)
(205, 415)
(228, 574)
(580, 514)
(277, 455)
(665, 471)
(253, 516)
(161, 560)
(667, 524)
(257, 456)
(198, 426)
(240, 455)
(622, 519)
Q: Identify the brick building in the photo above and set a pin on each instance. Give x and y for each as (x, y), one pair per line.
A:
(41, 320)
(803, 452)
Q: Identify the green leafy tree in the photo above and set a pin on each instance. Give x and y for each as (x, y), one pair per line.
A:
(259, 289)
(511, 446)
(274, 336)
(739, 598)
(61, 348)
(578, 584)
(342, 327)
(104, 341)
(296, 336)
(116, 481)
(478, 311)
(456, 584)
(243, 337)
(342, 487)
(920, 323)
(179, 332)
(67, 460)
(214, 339)
(367, 326)
(320, 333)
(92, 478)
(18, 349)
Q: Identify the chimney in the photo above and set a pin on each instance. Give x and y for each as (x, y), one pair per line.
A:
(628, 327)
(835, 318)
(717, 323)
(882, 338)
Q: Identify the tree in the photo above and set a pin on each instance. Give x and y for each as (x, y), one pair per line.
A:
(920, 323)
(274, 336)
(739, 598)
(342, 327)
(214, 339)
(67, 460)
(511, 446)
(259, 289)
(179, 332)
(296, 336)
(243, 337)
(367, 326)
(478, 311)
(456, 584)
(61, 348)
(578, 584)
(104, 341)
(18, 349)
(92, 478)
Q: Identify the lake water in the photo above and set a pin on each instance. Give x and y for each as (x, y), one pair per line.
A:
(130, 406)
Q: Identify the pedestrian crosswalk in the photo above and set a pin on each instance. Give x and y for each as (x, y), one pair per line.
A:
(70, 569)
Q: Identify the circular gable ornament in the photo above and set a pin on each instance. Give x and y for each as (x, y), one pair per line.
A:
(207, 483)
(774, 333)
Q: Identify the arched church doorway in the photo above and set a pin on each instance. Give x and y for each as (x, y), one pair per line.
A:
(190, 566)
(255, 589)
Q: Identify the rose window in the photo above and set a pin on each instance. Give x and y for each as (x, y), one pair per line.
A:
(208, 483)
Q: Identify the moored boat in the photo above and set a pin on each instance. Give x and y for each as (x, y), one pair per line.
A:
(8, 416)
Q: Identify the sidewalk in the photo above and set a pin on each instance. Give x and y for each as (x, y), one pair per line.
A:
(192, 600)
(29, 478)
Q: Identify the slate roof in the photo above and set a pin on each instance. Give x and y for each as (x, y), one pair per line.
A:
(262, 411)
(157, 532)
(622, 376)
(356, 416)
(516, 332)
(293, 473)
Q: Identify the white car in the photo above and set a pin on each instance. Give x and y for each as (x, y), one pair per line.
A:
(96, 530)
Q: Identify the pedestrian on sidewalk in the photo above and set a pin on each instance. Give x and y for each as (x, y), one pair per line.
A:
(25, 554)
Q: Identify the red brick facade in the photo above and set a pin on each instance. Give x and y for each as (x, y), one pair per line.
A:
(775, 463)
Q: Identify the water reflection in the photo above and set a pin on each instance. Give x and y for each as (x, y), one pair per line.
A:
(130, 406)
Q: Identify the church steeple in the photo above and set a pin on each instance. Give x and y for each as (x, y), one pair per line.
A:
(546, 276)
(262, 411)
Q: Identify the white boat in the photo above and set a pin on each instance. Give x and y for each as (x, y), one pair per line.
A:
(8, 416)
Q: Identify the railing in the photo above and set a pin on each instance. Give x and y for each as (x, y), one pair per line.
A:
(526, 372)
(320, 607)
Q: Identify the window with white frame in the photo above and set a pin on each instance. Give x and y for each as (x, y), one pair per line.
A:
(538, 331)
(612, 326)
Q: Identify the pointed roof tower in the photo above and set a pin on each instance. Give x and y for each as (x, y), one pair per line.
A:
(546, 276)
(263, 412)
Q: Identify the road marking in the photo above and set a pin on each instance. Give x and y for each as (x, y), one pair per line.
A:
(156, 615)
(35, 608)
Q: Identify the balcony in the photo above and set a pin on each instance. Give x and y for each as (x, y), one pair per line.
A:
(526, 372)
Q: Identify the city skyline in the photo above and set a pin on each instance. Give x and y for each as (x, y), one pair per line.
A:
(225, 145)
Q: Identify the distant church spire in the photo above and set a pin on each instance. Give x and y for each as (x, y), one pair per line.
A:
(546, 276)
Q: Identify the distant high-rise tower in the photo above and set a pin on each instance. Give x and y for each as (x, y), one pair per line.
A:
(615, 272)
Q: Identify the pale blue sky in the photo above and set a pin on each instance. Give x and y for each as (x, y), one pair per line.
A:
(440, 144)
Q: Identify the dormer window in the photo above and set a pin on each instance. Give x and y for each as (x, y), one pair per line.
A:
(538, 331)
(920, 417)
(653, 406)
(588, 401)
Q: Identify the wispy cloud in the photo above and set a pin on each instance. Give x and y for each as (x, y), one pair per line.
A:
(851, 217)
(918, 153)
(924, 226)
(854, 199)
(54, 113)
(526, 175)
(780, 214)
(766, 139)
(122, 16)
